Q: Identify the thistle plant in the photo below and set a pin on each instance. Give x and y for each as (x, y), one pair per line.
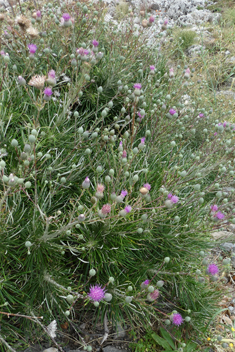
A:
(109, 182)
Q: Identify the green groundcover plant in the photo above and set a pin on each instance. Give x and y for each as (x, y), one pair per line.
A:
(112, 175)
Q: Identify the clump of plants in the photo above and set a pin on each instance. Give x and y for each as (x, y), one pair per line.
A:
(110, 181)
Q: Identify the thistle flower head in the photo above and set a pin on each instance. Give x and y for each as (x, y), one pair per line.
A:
(219, 215)
(201, 115)
(139, 114)
(165, 23)
(124, 193)
(66, 17)
(169, 195)
(154, 295)
(96, 293)
(152, 67)
(147, 185)
(32, 32)
(23, 22)
(142, 140)
(177, 319)
(38, 14)
(214, 208)
(32, 48)
(37, 81)
(137, 86)
(124, 154)
(212, 269)
(172, 111)
(171, 72)
(128, 209)
(151, 19)
(51, 74)
(47, 91)
(174, 199)
(145, 284)
(100, 188)
(86, 183)
(106, 209)
(95, 43)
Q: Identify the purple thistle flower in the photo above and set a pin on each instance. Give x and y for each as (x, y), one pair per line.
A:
(225, 124)
(215, 134)
(120, 144)
(137, 86)
(128, 209)
(169, 195)
(145, 284)
(174, 199)
(154, 295)
(212, 269)
(38, 14)
(32, 48)
(165, 22)
(177, 319)
(106, 209)
(124, 193)
(51, 74)
(172, 111)
(151, 19)
(142, 140)
(214, 208)
(66, 17)
(201, 115)
(95, 43)
(152, 67)
(147, 185)
(96, 293)
(124, 154)
(171, 72)
(219, 215)
(47, 92)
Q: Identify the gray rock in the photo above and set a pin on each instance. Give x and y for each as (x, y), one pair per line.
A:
(155, 7)
(232, 228)
(112, 349)
(228, 246)
(221, 235)
(51, 349)
(120, 332)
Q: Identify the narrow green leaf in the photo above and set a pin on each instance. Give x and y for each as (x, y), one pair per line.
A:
(167, 337)
(160, 341)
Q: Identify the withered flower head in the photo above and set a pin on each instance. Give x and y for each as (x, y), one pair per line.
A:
(23, 22)
(37, 81)
(2, 17)
(33, 32)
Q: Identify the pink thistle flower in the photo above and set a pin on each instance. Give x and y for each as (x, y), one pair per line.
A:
(137, 86)
(95, 43)
(47, 92)
(171, 72)
(142, 140)
(120, 144)
(212, 269)
(215, 134)
(2, 52)
(151, 19)
(38, 14)
(187, 73)
(124, 193)
(124, 154)
(128, 209)
(106, 209)
(169, 195)
(165, 23)
(219, 215)
(174, 199)
(147, 185)
(32, 48)
(100, 188)
(201, 115)
(145, 284)
(66, 17)
(154, 295)
(172, 111)
(177, 319)
(96, 293)
(152, 67)
(214, 208)
(225, 124)
(51, 74)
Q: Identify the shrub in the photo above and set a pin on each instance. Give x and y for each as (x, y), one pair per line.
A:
(107, 177)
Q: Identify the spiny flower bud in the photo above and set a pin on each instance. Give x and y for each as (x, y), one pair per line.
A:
(86, 183)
